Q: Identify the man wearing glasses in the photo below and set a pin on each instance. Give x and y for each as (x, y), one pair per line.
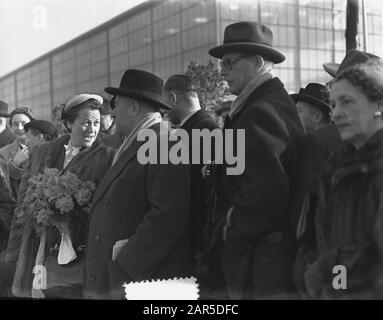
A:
(252, 237)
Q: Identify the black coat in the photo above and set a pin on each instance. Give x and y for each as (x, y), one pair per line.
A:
(6, 137)
(199, 120)
(258, 255)
(318, 146)
(149, 205)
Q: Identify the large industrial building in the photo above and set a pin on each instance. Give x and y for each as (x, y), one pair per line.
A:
(165, 36)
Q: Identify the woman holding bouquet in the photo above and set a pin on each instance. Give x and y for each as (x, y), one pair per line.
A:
(51, 252)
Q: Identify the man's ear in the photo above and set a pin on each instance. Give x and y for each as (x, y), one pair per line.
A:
(135, 109)
(259, 63)
(317, 117)
(170, 97)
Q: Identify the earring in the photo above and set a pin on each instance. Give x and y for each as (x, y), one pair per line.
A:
(377, 114)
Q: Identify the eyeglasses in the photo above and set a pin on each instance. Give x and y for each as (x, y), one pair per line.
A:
(228, 64)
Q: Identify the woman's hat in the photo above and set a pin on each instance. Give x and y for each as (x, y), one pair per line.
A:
(80, 98)
(141, 85)
(4, 109)
(248, 37)
(352, 58)
(316, 94)
(43, 126)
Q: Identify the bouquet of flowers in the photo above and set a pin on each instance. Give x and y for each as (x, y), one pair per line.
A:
(50, 200)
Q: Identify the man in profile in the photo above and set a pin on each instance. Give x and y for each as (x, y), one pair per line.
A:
(181, 94)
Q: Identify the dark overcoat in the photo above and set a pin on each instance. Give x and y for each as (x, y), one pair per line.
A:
(349, 223)
(199, 120)
(150, 206)
(317, 148)
(257, 256)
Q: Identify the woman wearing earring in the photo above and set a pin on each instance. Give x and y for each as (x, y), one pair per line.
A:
(349, 219)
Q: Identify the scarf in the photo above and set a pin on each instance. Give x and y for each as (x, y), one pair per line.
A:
(146, 122)
(254, 83)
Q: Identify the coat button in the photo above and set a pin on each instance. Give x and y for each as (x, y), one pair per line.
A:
(97, 238)
(93, 276)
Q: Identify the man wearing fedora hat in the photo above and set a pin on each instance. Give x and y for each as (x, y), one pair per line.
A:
(6, 134)
(322, 140)
(313, 106)
(138, 228)
(251, 226)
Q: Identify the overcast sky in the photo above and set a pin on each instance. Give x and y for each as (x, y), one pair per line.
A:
(30, 28)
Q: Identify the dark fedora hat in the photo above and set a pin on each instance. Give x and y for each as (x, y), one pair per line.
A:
(141, 85)
(4, 109)
(316, 94)
(351, 58)
(43, 126)
(248, 37)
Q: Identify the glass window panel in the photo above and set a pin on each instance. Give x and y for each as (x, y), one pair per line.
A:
(139, 21)
(139, 38)
(165, 9)
(98, 54)
(140, 56)
(199, 36)
(166, 27)
(168, 66)
(98, 40)
(83, 46)
(83, 60)
(119, 30)
(99, 69)
(198, 14)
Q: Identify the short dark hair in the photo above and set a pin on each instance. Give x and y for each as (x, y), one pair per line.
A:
(22, 110)
(180, 83)
(71, 115)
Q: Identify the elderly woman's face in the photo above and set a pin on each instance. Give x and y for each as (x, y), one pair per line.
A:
(19, 120)
(85, 128)
(353, 112)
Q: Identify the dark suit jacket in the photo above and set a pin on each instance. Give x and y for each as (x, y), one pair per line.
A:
(113, 141)
(199, 120)
(149, 205)
(258, 256)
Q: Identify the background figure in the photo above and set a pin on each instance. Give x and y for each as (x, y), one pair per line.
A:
(252, 227)
(349, 216)
(322, 140)
(82, 154)
(7, 205)
(180, 93)
(151, 239)
(6, 135)
(38, 131)
(313, 108)
(56, 118)
(17, 150)
(221, 112)
(108, 125)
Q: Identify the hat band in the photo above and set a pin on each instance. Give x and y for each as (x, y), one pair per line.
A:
(245, 40)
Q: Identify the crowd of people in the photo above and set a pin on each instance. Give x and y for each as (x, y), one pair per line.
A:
(310, 197)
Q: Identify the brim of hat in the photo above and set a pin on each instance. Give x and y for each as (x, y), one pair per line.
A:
(5, 115)
(134, 94)
(331, 68)
(252, 48)
(310, 99)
